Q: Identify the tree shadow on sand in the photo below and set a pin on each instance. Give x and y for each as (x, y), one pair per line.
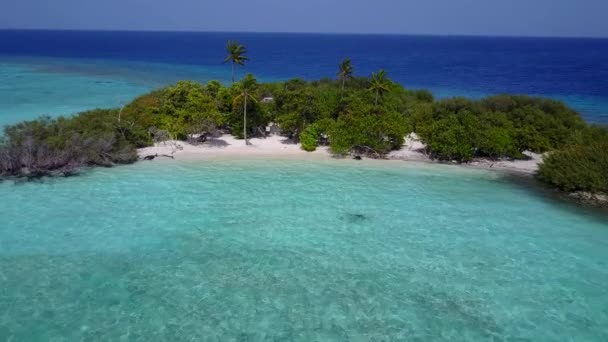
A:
(288, 141)
(216, 143)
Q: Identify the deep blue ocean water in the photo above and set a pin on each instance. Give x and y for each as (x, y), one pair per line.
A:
(111, 67)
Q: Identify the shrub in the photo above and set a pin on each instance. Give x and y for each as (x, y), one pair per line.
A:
(374, 134)
(46, 146)
(449, 139)
(309, 137)
(496, 127)
(579, 167)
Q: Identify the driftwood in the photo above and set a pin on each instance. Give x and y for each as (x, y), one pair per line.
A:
(152, 156)
(262, 132)
(199, 138)
(159, 135)
(368, 151)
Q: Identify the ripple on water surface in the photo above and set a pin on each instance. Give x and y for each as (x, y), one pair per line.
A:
(254, 250)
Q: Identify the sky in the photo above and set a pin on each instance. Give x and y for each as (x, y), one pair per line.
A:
(566, 18)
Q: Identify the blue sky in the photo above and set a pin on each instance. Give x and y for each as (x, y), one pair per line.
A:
(468, 17)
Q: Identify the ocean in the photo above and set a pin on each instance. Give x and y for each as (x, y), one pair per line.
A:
(252, 250)
(63, 72)
(336, 250)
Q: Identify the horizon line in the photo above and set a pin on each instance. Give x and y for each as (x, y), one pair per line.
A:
(309, 33)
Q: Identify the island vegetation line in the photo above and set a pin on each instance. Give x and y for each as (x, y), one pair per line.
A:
(353, 115)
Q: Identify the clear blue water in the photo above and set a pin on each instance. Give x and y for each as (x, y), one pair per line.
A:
(77, 65)
(28, 91)
(252, 250)
(321, 251)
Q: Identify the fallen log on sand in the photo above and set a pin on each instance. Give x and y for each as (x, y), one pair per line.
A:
(152, 156)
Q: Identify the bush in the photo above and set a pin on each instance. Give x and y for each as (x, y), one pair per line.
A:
(496, 127)
(449, 139)
(107, 137)
(47, 146)
(187, 108)
(309, 137)
(296, 106)
(373, 134)
(579, 167)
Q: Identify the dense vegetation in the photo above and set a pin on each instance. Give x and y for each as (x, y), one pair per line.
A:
(46, 146)
(582, 165)
(358, 115)
(496, 127)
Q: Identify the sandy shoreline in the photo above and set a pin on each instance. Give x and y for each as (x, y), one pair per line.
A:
(278, 147)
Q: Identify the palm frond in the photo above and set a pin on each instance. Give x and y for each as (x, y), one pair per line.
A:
(236, 53)
(345, 69)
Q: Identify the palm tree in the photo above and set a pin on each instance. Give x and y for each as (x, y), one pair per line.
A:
(236, 55)
(248, 86)
(346, 71)
(380, 84)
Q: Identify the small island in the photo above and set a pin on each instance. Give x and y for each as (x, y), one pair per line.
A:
(370, 117)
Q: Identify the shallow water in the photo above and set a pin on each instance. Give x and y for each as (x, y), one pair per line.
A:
(30, 91)
(263, 250)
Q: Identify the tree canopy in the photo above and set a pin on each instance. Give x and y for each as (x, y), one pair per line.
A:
(380, 84)
(355, 114)
(345, 71)
(581, 165)
(236, 55)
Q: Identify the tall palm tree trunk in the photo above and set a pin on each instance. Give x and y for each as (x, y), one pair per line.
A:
(232, 72)
(377, 92)
(343, 83)
(245, 120)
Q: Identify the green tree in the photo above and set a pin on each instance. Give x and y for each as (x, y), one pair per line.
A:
(380, 84)
(346, 72)
(248, 87)
(452, 138)
(236, 55)
(309, 137)
(577, 168)
(187, 109)
(580, 166)
(295, 105)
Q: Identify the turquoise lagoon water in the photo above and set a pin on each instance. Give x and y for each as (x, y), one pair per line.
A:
(31, 92)
(303, 251)
(28, 91)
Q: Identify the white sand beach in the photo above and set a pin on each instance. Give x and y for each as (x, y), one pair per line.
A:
(278, 147)
(228, 147)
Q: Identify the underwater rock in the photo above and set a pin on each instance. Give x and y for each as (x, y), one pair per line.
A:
(354, 218)
(596, 199)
